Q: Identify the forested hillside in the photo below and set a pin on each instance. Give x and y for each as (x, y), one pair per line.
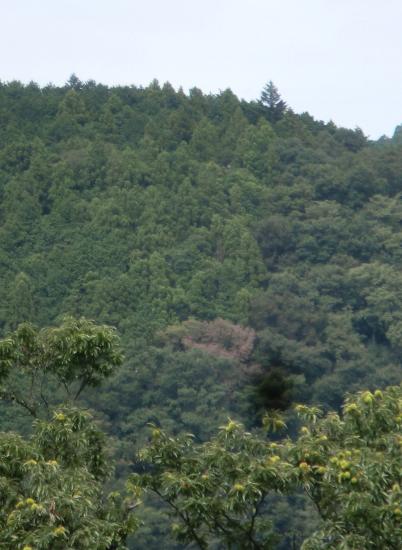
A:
(248, 256)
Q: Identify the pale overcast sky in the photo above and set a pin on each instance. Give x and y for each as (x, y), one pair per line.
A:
(336, 59)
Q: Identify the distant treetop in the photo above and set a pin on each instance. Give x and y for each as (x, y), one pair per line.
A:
(271, 99)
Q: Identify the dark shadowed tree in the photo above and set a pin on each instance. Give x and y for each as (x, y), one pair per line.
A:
(271, 99)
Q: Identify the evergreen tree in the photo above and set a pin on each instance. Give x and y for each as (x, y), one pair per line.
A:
(272, 101)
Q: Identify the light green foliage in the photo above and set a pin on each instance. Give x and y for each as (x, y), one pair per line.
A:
(51, 493)
(216, 491)
(348, 465)
(351, 468)
(37, 366)
(52, 483)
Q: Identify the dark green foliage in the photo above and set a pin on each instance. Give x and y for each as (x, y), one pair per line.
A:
(273, 103)
(145, 207)
(272, 390)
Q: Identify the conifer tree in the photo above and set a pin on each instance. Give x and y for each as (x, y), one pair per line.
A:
(272, 101)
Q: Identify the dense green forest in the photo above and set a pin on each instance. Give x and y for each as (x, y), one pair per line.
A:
(248, 256)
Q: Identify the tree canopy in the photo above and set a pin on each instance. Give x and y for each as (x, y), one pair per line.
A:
(52, 483)
(37, 364)
(248, 256)
(348, 465)
(52, 493)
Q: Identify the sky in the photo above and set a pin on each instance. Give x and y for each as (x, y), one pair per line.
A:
(339, 60)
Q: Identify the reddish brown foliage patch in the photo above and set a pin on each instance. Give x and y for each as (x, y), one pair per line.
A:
(220, 338)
